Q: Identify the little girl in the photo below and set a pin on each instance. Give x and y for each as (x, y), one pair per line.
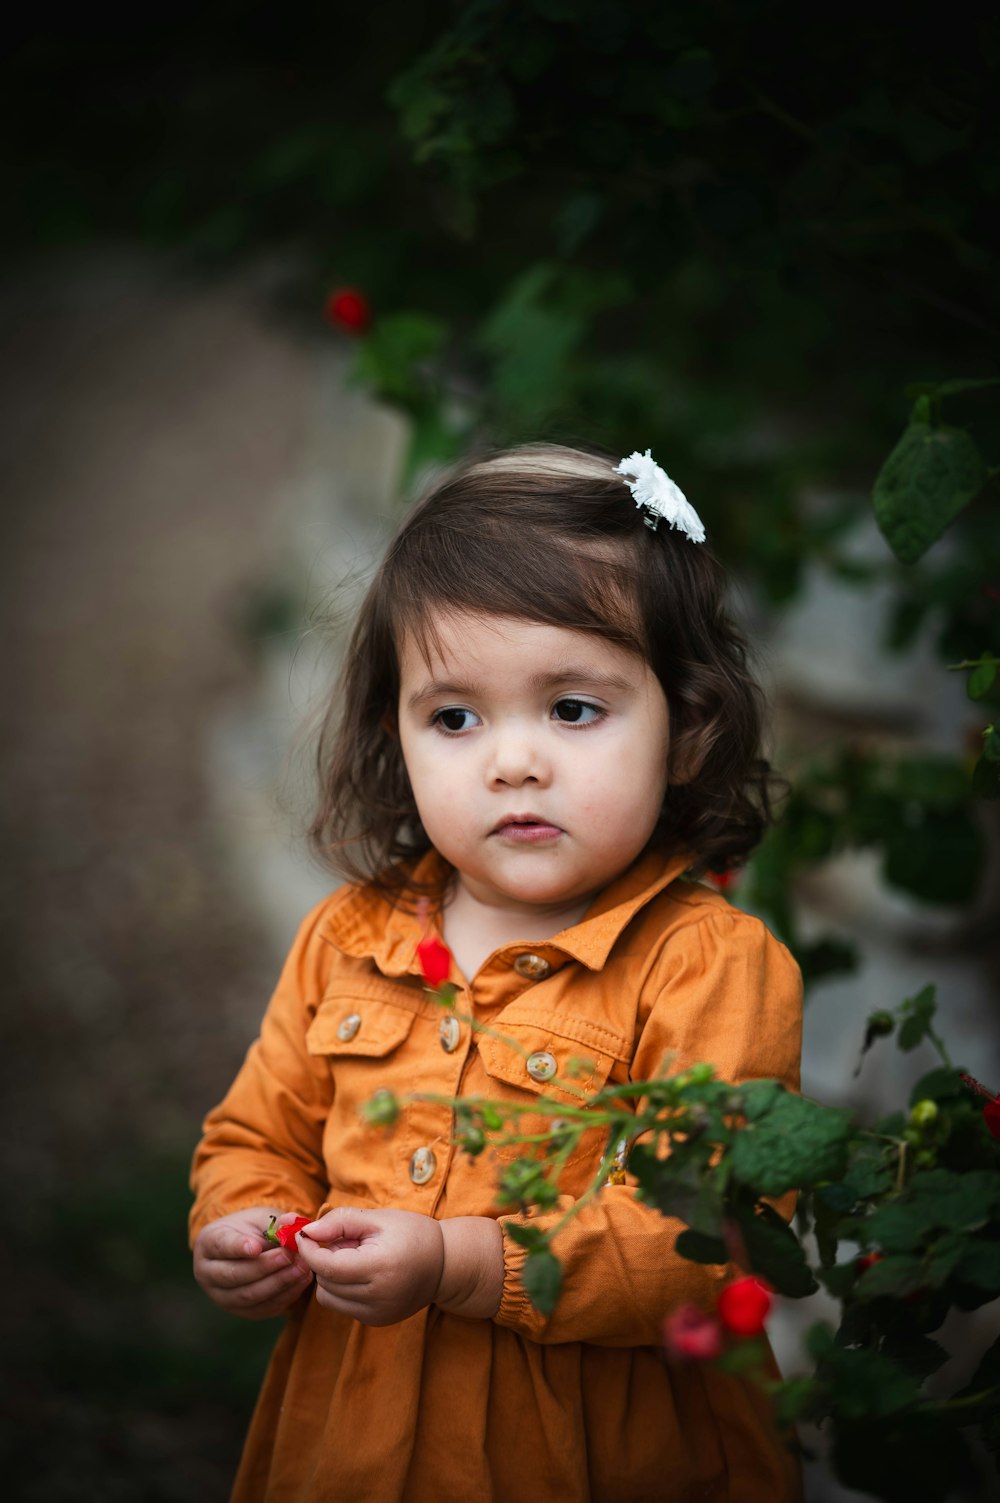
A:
(544, 733)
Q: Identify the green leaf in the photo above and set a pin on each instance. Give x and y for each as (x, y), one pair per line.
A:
(707, 1214)
(840, 1279)
(980, 1265)
(938, 857)
(542, 1280)
(930, 476)
(897, 1275)
(796, 1399)
(915, 1353)
(826, 1221)
(935, 1199)
(991, 744)
(982, 677)
(952, 388)
(917, 1014)
(699, 1248)
(433, 440)
(527, 1235)
(789, 1142)
(576, 217)
(869, 1173)
(676, 1185)
(868, 1386)
(775, 1252)
(944, 1258)
(829, 956)
(986, 778)
(391, 358)
(819, 1340)
(938, 1085)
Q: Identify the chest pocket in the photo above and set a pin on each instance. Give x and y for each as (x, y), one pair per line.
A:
(363, 1037)
(552, 1054)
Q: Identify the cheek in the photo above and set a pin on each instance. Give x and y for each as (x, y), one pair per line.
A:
(435, 779)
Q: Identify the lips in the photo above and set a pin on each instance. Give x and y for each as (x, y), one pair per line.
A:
(526, 829)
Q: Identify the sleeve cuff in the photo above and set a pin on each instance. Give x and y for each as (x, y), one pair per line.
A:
(516, 1310)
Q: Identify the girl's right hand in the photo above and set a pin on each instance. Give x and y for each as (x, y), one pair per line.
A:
(241, 1272)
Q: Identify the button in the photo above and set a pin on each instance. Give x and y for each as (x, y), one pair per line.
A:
(541, 1065)
(422, 1166)
(532, 966)
(449, 1034)
(348, 1027)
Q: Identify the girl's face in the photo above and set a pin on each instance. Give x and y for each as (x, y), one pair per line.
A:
(537, 756)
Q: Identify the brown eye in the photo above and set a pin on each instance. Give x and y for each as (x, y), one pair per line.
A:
(575, 712)
(454, 720)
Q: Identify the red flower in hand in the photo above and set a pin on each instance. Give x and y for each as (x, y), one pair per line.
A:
(689, 1333)
(435, 960)
(349, 308)
(284, 1236)
(744, 1306)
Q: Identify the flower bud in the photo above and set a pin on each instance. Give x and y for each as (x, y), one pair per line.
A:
(923, 1113)
(744, 1306)
(348, 308)
(691, 1334)
(435, 960)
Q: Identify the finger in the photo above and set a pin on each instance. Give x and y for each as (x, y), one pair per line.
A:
(277, 1290)
(353, 1308)
(228, 1241)
(362, 1292)
(339, 1265)
(234, 1273)
(347, 1224)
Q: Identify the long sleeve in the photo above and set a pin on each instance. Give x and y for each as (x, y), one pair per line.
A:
(262, 1144)
(730, 995)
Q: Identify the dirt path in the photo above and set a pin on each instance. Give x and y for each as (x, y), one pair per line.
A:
(150, 437)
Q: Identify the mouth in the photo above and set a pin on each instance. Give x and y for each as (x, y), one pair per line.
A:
(526, 829)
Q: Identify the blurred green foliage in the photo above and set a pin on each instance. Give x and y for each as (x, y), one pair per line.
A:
(116, 1358)
(735, 234)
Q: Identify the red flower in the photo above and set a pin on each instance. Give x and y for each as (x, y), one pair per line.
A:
(286, 1233)
(435, 960)
(689, 1333)
(349, 308)
(723, 880)
(744, 1306)
(284, 1236)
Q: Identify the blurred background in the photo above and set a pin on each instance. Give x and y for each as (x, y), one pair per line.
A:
(263, 271)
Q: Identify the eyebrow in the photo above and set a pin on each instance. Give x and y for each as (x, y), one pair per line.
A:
(584, 677)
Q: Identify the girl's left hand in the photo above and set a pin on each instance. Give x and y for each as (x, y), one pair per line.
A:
(375, 1266)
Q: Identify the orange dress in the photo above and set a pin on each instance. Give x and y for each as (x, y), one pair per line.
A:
(577, 1407)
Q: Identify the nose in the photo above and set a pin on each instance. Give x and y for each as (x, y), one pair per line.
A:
(516, 759)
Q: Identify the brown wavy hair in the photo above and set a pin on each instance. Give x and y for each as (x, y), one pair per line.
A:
(552, 535)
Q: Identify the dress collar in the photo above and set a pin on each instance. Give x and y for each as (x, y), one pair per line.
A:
(366, 925)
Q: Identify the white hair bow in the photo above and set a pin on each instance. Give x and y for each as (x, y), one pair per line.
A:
(658, 497)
